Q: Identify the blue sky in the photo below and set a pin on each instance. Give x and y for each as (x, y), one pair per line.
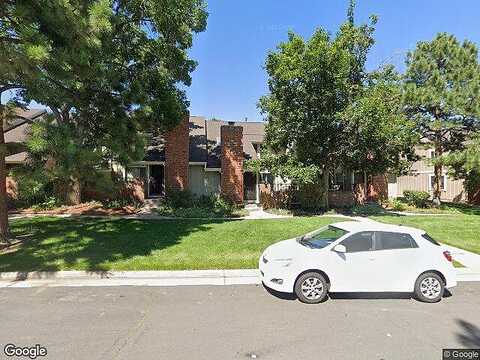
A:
(231, 52)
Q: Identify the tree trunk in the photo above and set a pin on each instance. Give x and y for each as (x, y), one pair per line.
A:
(73, 192)
(325, 184)
(4, 229)
(437, 189)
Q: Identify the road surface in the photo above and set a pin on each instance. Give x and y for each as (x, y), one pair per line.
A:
(233, 322)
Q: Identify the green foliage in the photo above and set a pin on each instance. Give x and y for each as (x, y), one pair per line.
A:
(419, 199)
(367, 209)
(325, 111)
(312, 196)
(49, 203)
(377, 137)
(180, 198)
(119, 203)
(442, 94)
(185, 204)
(33, 187)
(397, 205)
(465, 164)
(56, 152)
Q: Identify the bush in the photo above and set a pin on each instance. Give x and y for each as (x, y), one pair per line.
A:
(180, 199)
(397, 205)
(33, 187)
(418, 199)
(367, 209)
(184, 204)
(120, 203)
(50, 203)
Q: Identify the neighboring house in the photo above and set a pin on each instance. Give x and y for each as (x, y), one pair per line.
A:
(207, 156)
(203, 156)
(16, 132)
(421, 178)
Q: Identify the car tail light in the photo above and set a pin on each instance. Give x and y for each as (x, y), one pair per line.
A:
(447, 255)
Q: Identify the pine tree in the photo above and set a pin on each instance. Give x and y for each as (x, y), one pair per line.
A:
(442, 96)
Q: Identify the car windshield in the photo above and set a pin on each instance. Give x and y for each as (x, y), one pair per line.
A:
(322, 237)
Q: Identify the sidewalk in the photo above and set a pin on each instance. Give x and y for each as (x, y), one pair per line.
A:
(151, 278)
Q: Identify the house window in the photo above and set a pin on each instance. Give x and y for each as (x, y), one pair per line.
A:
(443, 182)
(432, 154)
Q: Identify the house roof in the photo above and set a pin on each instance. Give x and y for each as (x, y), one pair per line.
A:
(205, 141)
(253, 132)
(16, 131)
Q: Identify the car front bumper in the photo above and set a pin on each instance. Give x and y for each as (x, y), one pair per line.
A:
(276, 276)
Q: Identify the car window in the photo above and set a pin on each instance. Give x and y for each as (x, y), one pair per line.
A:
(322, 237)
(430, 239)
(362, 241)
(391, 240)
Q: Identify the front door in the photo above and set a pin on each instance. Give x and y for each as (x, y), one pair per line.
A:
(250, 186)
(156, 180)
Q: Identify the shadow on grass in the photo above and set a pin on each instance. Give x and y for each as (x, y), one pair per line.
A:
(53, 244)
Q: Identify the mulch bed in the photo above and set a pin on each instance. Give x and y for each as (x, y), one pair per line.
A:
(90, 208)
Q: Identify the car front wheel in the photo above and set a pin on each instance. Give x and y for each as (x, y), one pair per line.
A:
(311, 288)
(429, 287)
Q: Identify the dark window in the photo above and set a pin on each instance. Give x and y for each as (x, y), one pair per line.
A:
(430, 239)
(392, 240)
(362, 241)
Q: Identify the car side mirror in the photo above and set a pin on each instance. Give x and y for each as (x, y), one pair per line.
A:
(340, 248)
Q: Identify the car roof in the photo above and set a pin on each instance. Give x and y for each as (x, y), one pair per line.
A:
(356, 226)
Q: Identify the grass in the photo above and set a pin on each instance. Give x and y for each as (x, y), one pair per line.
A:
(445, 208)
(51, 244)
(462, 231)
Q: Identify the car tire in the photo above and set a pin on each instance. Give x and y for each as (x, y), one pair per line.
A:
(311, 288)
(429, 287)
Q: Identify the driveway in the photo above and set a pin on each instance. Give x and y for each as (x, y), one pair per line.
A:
(233, 322)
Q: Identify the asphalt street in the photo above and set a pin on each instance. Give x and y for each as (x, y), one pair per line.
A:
(233, 322)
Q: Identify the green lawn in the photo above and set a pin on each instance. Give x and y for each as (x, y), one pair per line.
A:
(462, 231)
(120, 244)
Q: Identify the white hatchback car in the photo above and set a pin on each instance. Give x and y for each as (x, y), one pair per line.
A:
(359, 257)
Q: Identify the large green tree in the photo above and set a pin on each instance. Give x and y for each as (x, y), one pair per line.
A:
(377, 137)
(106, 69)
(442, 96)
(311, 83)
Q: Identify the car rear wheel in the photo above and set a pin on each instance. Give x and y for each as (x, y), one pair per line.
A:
(311, 288)
(429, 287)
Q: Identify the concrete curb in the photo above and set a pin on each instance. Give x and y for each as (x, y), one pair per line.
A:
(151, 278)
(129, 278)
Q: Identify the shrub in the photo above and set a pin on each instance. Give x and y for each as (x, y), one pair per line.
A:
(120, 203)
(397, 205)
(418, 199)
(50, 203)
(33, 187)
(205, 206)
(180, 199)
(367, 209)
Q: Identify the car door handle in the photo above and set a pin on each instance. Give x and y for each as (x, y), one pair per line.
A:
(371, 259)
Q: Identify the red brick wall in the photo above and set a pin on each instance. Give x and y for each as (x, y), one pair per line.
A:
(378, 188)
(176, 156)
(341, 199)
(232, 163)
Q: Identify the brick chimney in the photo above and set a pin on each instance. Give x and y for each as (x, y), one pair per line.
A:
(177, 156)
(232, 162)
